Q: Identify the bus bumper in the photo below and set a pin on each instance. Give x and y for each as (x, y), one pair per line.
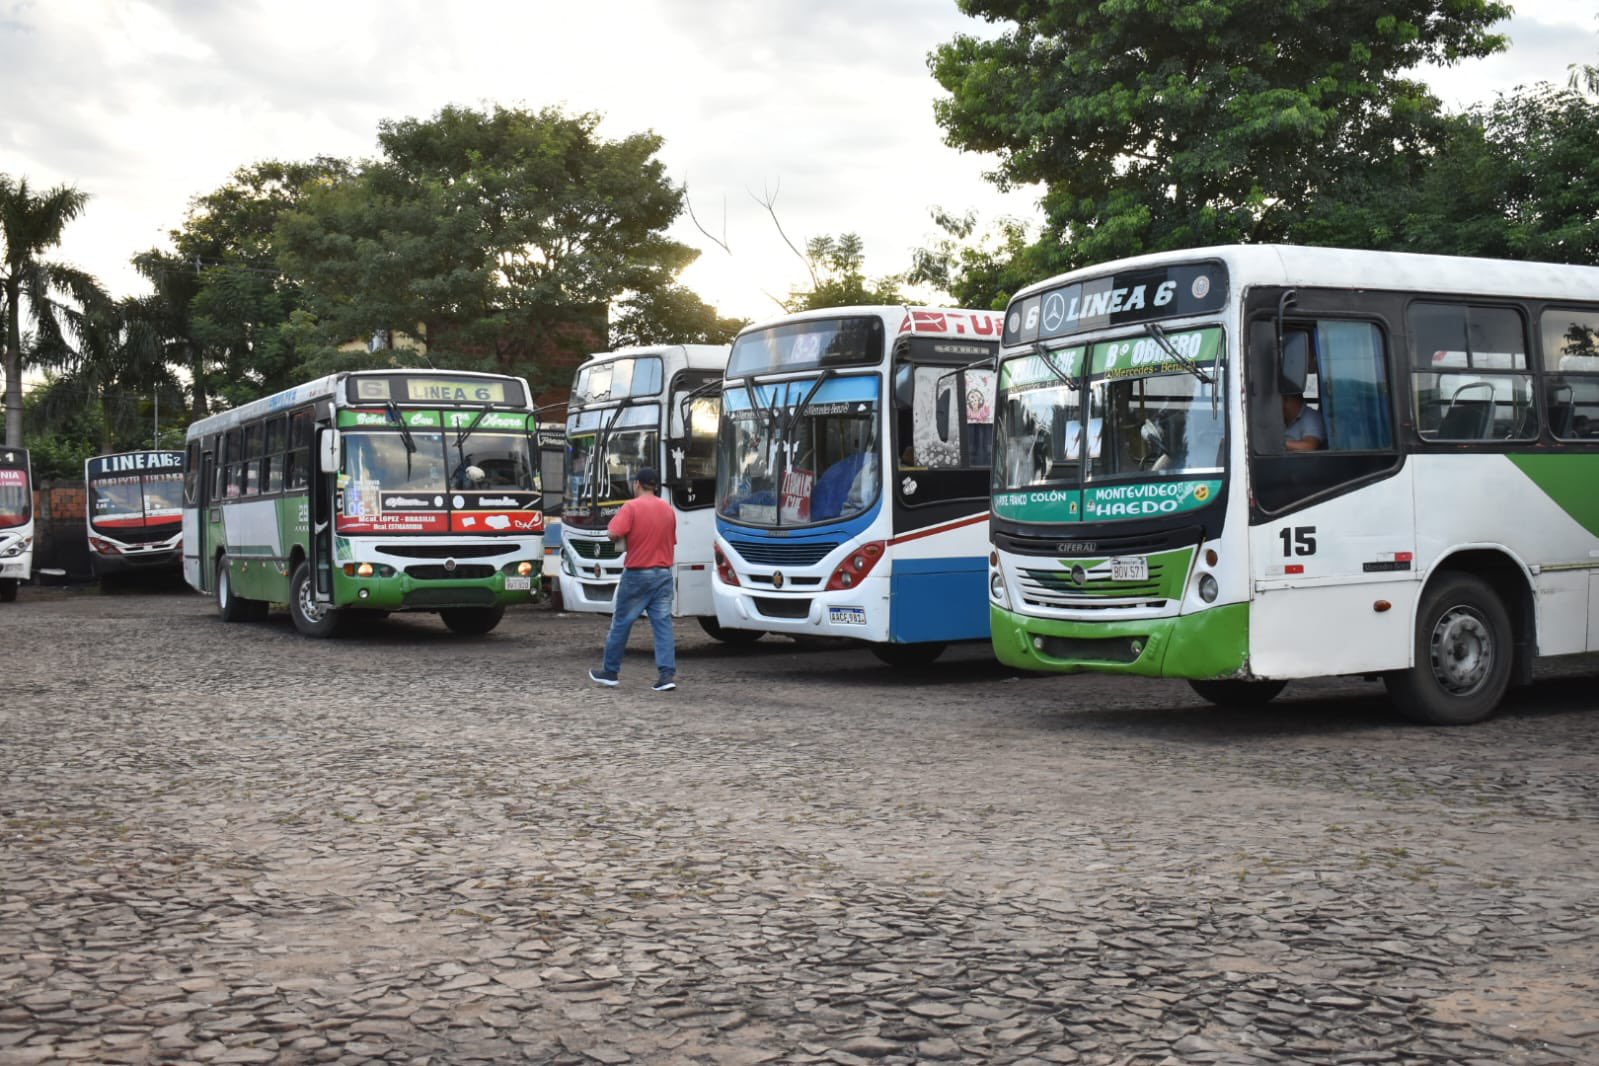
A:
(405, 593)
(1208, 644)
(16, 569)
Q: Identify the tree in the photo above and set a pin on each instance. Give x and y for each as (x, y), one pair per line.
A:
(1154, 125)
(838, 278)
(31, 225)
(670, 314)
(976, 272)
(497, 236)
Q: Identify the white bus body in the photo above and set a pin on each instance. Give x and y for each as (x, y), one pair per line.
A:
(16, 521)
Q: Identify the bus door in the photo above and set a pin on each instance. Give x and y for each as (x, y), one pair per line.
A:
(324, 459)
(203, 518)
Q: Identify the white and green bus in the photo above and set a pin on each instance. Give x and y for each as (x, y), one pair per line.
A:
(365, 493)
(1241, 466)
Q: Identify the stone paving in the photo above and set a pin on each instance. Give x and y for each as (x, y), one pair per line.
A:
(228, 844)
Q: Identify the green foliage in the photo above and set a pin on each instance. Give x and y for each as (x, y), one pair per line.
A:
(670, 314)
(487, 234)
(838, 278)
(980, 273)
(1153, 124)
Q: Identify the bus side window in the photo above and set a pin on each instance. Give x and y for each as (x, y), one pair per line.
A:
(191, 473)
(297, 462)
(1470, 374)
(272, 459)
(1351, 384)
(1571, 357)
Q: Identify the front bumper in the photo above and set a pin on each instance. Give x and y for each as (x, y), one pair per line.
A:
(1208, 644)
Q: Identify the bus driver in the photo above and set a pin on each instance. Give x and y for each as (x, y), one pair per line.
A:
(1303, 430)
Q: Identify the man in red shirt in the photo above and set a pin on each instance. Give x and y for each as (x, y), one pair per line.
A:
(646, 529)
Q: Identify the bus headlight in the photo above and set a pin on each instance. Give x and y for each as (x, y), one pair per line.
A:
(524, 568)
(364, 570)
(996, 588)
(1208, 589)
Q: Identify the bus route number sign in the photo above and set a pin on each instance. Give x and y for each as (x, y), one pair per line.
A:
(433, 390)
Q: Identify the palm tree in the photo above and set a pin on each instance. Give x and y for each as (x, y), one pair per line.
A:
(30, 225)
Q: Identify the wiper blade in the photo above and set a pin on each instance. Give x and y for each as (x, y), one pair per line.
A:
(392, 412)
(1158, 334)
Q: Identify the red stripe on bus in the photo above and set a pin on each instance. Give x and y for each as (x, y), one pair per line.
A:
(945, 528)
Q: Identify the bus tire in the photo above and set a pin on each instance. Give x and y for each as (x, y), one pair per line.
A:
(230, 606)
(1238, 693)
(716, 631)
(1463, 655)
(472, 621)
(8, 590)
(902, 655)
(312, 618)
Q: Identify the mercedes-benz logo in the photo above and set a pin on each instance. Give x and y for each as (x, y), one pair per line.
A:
(1079, 576)
(449, 566)
(1054, 312)
(777, 579)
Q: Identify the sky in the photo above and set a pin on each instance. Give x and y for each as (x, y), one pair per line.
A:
(826, 105)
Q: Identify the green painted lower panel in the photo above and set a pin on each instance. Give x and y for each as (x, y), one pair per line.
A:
(1209, 644)
(402, 592)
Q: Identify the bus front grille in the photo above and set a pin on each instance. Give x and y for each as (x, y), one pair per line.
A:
(437, 597)
(594, 549)
(463, 572)
(446, 551)
(783, 606)
(781, 553)
(1094, 649)
(1062, 588)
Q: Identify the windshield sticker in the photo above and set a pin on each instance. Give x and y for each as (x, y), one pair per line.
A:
(482, 421)
(797, 486)
(1037, 372)
(1147, 500)
(361, 499)
(1039, 505)
(415, 419)
(1146, 356)
(980, 397)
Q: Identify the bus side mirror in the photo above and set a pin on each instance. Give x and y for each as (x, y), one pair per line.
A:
(328, 451)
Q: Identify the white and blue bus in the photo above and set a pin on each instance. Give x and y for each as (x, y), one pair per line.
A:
(643, 407)
(16, 521)
(1164, 506)
(852, 478)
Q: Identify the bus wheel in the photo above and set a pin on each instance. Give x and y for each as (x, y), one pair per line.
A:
(231, 607)
(1237, 693)
(908, 654)
(313, 618)
(472, 621)
(1462, 655)
(716, 631)
(8, 590)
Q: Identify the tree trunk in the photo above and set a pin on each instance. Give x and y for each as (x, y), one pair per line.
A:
(13, 363)
(202, 404)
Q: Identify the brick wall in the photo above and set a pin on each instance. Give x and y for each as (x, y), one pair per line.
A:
(59, 535)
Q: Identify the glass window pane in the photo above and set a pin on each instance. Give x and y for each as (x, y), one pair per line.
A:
(1353, 386)
(1573, 403)
(1467, 337)
(1475, 407)
(1570, 340)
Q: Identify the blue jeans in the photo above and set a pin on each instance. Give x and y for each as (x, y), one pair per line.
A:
(640, 591)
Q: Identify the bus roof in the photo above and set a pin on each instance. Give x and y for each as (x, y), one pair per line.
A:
(904, 319)
(698, 356)
(1347, 268)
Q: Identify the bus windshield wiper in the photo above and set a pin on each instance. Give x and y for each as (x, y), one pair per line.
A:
(1158, 334)
(601, 445)
(392, 412)
(461, 436)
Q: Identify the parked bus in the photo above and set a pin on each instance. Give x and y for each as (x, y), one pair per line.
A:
(134, 512)
(630, 409)
(378, 491)
(16, 521)
(852, 478)
(1160, 509)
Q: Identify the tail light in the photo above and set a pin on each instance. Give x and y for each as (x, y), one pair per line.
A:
(724, 568)
(856, 565)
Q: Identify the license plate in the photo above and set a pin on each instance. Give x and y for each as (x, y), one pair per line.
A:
(1131, 568)
(518, 584)
(847, 616)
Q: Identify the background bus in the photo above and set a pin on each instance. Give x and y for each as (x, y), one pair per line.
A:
(134, 512)
(633, 408)
(16, 521)
(852, 477)
(1151, 518)
(368, 492)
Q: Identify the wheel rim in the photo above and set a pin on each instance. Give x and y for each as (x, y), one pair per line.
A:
(1462, 650)
(310, 610)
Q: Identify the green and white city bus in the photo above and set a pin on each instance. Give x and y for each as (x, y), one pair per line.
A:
(378, 491)
(1429, 518)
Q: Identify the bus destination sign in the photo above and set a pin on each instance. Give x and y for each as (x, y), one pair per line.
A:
(1117, 300)
(405, 388)
(134, 463)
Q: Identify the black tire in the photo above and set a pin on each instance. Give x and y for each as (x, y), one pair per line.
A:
(1463, 655)
(1238, 693)
(902, 655)
(8, 590)
(231, 607)
(472, 621)
(716, 631)
(310, 617)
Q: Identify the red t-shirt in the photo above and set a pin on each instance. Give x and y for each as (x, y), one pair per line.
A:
(651, 531)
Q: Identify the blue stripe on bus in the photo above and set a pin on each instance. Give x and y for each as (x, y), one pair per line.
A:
(938, 599)
(861, 387)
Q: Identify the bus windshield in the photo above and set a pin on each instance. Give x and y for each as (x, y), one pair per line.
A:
(605, 450)
(799, 452)
(1140, 413)
(136, 501)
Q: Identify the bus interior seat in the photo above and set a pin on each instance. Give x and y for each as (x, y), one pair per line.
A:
(1560, 417)
(1467, 421)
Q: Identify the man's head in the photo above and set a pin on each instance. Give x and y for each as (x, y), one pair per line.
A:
(646, 481)
(1293, 403)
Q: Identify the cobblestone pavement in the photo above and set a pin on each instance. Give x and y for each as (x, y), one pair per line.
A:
(228, 844)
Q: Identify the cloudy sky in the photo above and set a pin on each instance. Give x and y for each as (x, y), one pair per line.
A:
(145, 104)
